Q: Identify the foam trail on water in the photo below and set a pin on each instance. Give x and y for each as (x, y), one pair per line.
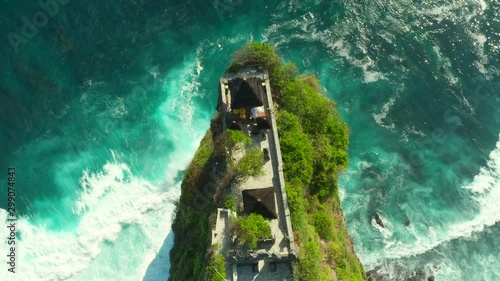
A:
(110, 199)
(488, 179)
(382, 116)
(180, 116)
(305, 30)
(120, 213)
(485, 190)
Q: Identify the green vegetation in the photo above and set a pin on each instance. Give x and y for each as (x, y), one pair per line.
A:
(308, 266)
(255, 54)
(314, 141)
(191, 216)
(298, 159)
(189, 256)
(323, 224)
(250, 229)
(251, 164)
(216, 270)
(200, 159)
(236, 137)
(229, 203)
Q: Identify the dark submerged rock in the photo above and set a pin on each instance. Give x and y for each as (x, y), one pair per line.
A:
(402, 274)
(378, 220)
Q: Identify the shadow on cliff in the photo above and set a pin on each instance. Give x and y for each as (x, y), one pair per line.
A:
(159, 268)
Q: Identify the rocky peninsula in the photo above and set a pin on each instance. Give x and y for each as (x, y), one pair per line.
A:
(260, 197)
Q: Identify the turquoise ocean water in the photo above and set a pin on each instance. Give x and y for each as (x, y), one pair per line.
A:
(103, 104)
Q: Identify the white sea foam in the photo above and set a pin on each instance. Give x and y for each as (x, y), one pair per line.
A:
(361, 165)
(180, 115)
(409, 130)
(109, 200)
(179, 106)
(479, 42)
(441, 12)
(367, 64)
(485, 190)
(381, 117)
(454, 13)
(487, 182)
(446, 64)
(305, 30)
(154, 72)
(386, 230)
(112, 199)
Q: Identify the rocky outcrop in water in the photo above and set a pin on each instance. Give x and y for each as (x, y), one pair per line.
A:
(402, 273)
(378, 220)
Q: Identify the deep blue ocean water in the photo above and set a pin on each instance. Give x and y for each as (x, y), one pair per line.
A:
(103, 104)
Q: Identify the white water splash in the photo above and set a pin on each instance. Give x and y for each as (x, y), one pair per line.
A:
(381, 117)
(113, 203)
(486, 191)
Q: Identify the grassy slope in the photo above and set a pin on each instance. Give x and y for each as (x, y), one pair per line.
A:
(314, 141)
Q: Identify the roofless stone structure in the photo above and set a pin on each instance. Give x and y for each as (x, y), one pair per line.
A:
(246, 104)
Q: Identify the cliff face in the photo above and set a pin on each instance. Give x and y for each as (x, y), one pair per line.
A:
(190, 254)
(314, 141)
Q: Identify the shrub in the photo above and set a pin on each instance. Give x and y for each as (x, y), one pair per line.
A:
(323, 224)
(235, 137)
(283, 75)
(297, 151)
(312, 81)
(295, 195)
(229, 203)
(250, 229)
(251, 164)
(309, 261)
(216, 270)
(255, 53)
(312, 108)
(200, 160)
